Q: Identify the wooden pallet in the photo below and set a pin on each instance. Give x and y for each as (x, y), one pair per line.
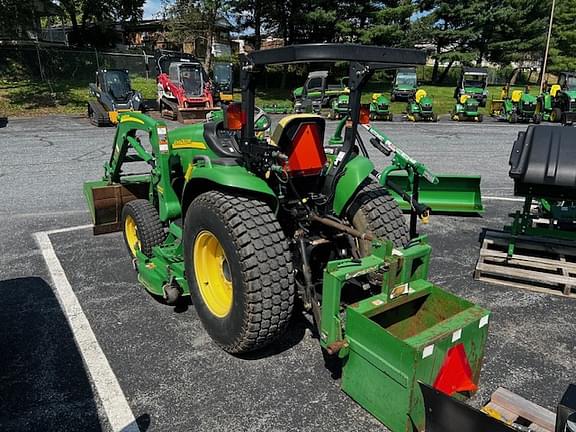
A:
(539, 264)
(515, 410)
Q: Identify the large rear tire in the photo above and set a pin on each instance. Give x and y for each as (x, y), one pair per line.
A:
(142, 227)
(239, 270)
(375, 211)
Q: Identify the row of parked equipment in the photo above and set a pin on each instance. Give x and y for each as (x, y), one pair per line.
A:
(514, 104)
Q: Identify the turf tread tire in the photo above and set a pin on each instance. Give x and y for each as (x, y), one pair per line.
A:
(265, 266)
(376, 211)
(150, 230)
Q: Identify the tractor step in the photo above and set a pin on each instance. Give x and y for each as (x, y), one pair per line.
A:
(540, 264)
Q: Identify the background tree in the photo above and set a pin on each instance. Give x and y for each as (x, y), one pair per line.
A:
(563, 45)
(188, 20)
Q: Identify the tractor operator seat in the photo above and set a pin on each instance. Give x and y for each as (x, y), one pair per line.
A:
(301, 138)
(517, 95)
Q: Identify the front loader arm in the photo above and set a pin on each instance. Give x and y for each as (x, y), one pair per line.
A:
(129, 124)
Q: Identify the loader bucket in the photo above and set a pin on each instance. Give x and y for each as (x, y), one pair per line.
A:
(193, 115)
(452, 194)
(105, 201)
(430, 336)
(447, 414)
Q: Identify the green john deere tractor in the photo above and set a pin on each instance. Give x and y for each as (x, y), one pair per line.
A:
(244, 224)
(558, 104)
(339, 107)
(420, 108)
(380, 108)
(474, 83)
(467, 108)
(405, 84)
(516, 104)
(318, 92)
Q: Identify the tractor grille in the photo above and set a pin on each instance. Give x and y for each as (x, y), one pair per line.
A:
(530, 107)
(343, 106)
(383, 107)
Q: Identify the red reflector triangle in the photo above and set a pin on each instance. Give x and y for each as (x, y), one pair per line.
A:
(455, 374)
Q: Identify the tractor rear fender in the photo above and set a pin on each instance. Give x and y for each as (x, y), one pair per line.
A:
(232, 179)
(356, 172)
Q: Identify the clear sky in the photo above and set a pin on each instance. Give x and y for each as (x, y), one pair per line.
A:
(151, 7)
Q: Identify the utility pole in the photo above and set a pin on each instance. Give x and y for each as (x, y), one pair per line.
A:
(547, 46)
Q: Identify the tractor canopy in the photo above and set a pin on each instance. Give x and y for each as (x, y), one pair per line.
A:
(406, 79)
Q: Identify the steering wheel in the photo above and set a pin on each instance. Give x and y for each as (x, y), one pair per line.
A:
(262, 121)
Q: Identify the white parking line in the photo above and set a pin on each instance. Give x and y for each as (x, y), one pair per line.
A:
(110, 393)
(497, 198)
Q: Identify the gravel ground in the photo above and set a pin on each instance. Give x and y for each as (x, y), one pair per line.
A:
(173, 376)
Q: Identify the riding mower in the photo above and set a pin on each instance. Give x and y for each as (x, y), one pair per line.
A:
(558, 104)
(516, 104)
(467, 108)
(380, 108)
(244, 225)
(113, 94)
(419, 108)
(474, 83)
(405, 85)
(184, 90)
(222, 83)
(339, 107)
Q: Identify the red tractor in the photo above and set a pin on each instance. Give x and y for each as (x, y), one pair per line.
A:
(184, 89)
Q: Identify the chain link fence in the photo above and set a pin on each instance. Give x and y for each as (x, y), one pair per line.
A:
(51, 63)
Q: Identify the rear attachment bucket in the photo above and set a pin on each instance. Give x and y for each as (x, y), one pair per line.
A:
(105, 201)
(446, 414)
(452, 194)
(430, 336)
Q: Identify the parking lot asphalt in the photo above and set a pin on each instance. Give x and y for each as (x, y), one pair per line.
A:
(172, 375)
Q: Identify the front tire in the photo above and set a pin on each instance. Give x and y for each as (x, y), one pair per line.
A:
(239, 270)
(142, 227)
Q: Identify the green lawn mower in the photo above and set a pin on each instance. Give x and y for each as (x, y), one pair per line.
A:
(519, 106)
(516, 104)
(467, 108)
(339, 107)
(420, 108)
(244, 225)
(558, 104)
(380, 108)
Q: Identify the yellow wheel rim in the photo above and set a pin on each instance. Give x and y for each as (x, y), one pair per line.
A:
(131, 232)
(213, 274)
